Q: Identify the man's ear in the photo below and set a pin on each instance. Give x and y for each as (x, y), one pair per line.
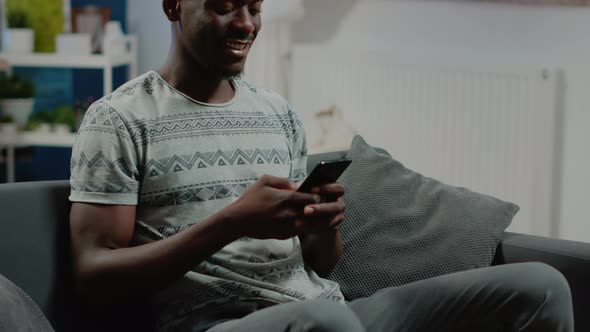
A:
(171, 9)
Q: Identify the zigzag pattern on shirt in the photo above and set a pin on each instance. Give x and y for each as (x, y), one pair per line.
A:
(192, 300)
(331, 294)
(217, 158)
(289, 292)
(169, 231)
(101, 161)
(217, 292)
(198, 124)
(105, 187)
(103, 118)
(196, 193)
(296, 128)
(298, 175)
(247, 85)
(277, 272)
(148, 84)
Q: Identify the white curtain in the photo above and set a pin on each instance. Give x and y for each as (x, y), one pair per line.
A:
(268, 62)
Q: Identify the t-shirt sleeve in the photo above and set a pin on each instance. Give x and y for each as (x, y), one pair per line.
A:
(298, 148)
(104, 164)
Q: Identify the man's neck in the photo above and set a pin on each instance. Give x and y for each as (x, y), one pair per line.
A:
(194, 81)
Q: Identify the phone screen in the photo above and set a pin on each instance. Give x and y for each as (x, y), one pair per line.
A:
(324, 172)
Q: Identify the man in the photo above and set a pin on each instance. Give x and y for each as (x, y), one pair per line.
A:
(184, 190)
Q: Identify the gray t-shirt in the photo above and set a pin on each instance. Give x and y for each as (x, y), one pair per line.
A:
(179, 161)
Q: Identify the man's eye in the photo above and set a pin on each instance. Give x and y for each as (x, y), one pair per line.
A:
(226, 9)
(255, 11)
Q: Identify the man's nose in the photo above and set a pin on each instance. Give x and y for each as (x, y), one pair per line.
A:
(243, 21)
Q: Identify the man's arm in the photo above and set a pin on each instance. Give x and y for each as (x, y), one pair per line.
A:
(107, 269)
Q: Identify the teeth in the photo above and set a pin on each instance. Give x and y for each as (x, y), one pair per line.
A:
(237, 45)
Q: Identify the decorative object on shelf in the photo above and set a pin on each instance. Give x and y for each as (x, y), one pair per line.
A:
(335, 132)
(40, 122)
(4, 65)
(74, 44)
(92, 20)
(46, 18)
(20, 36)
(65, 119)
(80, 110)
(61, 121)
(17, 99)
(114, 39)
(7, 126)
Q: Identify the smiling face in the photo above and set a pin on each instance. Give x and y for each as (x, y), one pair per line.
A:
(218, 34)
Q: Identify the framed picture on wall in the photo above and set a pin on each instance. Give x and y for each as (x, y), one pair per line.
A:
(91, 20)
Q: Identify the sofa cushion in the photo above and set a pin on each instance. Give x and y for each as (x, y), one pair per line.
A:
(402, 227)
(18, 312)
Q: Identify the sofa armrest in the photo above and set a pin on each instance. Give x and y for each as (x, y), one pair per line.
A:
(571, 258)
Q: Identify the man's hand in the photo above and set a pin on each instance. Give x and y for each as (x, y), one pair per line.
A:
(324, 216)
(321, 242)
(271, 209)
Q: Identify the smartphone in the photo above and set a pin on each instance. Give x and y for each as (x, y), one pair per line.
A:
(324, 172)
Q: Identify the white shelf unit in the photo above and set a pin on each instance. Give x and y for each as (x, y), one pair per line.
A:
(33, 138)
(106, 61)
(24, 139)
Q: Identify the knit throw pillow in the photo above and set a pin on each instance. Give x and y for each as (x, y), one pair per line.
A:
(401, 226)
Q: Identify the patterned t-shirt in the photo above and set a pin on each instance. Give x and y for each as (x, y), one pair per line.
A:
(180, 161)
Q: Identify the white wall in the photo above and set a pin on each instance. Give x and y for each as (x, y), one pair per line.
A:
(484, 33)
(145, 18)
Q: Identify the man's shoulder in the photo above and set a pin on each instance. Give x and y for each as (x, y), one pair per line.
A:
(262, 95)
(138, 90)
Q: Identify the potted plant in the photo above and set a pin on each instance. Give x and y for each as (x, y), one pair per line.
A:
(7, 126)
(16, 99)
(20, 36)
(40, 122)
(64, 120)
(80, 109)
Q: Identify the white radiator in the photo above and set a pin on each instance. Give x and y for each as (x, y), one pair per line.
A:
(493, 130)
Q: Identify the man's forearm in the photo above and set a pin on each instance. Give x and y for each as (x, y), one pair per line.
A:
(119, 274)
(322, 251)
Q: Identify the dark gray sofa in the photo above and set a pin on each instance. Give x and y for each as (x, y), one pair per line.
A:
(34, 254)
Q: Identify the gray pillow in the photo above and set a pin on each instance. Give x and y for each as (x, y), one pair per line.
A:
(18, 312)
(401, 227)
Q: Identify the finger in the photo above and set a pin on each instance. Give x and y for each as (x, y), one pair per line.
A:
(330, 189)
(276, 182)
(308, 225)
(330, 193)
(336, 221)
(312, 225)
(325, 209)
(303, 199)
